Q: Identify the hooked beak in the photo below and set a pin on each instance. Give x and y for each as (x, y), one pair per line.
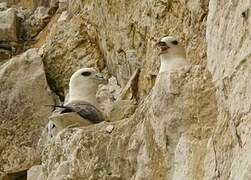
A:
(101, 78)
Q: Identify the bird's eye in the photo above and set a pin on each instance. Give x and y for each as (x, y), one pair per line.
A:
(175, 42)
(53, 126)
(86, 73)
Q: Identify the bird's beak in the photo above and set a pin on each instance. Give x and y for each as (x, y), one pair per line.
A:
(101, 78)
(162, 45)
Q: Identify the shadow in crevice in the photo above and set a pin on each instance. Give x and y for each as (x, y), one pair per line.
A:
(21, 175)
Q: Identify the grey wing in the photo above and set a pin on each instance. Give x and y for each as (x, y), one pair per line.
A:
(87, 111)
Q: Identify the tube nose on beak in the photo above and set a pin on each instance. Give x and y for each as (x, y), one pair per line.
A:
(101, 78)
(161, 44)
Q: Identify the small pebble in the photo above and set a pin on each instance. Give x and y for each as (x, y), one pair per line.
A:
(109, 128)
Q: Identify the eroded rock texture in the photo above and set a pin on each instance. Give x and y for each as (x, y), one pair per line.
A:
(185, 125)
(229, 60)
(24, 94)
(9, 32)
(9, 28)
(122, 35)
(165, 135)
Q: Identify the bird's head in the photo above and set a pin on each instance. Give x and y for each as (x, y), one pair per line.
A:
(84, 85)
(170, 46)
(87, 77)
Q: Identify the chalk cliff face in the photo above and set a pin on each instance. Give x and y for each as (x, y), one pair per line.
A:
(189, 124)
(229, 61)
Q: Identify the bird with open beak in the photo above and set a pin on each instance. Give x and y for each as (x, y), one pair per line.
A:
(172, 54)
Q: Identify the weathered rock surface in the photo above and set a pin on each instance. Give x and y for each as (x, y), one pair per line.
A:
(20, 26)
(166, 125)
(229, 60)
(9, 24)
(37, 21)
(122, 36)
(188, 126)
(30, 4)
(71, 44)
(3, 6)
(136, 26)
(35, 173)
(23, 95)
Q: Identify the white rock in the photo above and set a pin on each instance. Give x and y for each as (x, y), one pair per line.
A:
(23, 114)
(3, 6)
(9, 25)
(109, 128)
(35, 173)
(63, 17)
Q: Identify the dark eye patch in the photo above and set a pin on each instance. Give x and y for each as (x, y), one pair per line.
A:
(175, 42)
(86, 73)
